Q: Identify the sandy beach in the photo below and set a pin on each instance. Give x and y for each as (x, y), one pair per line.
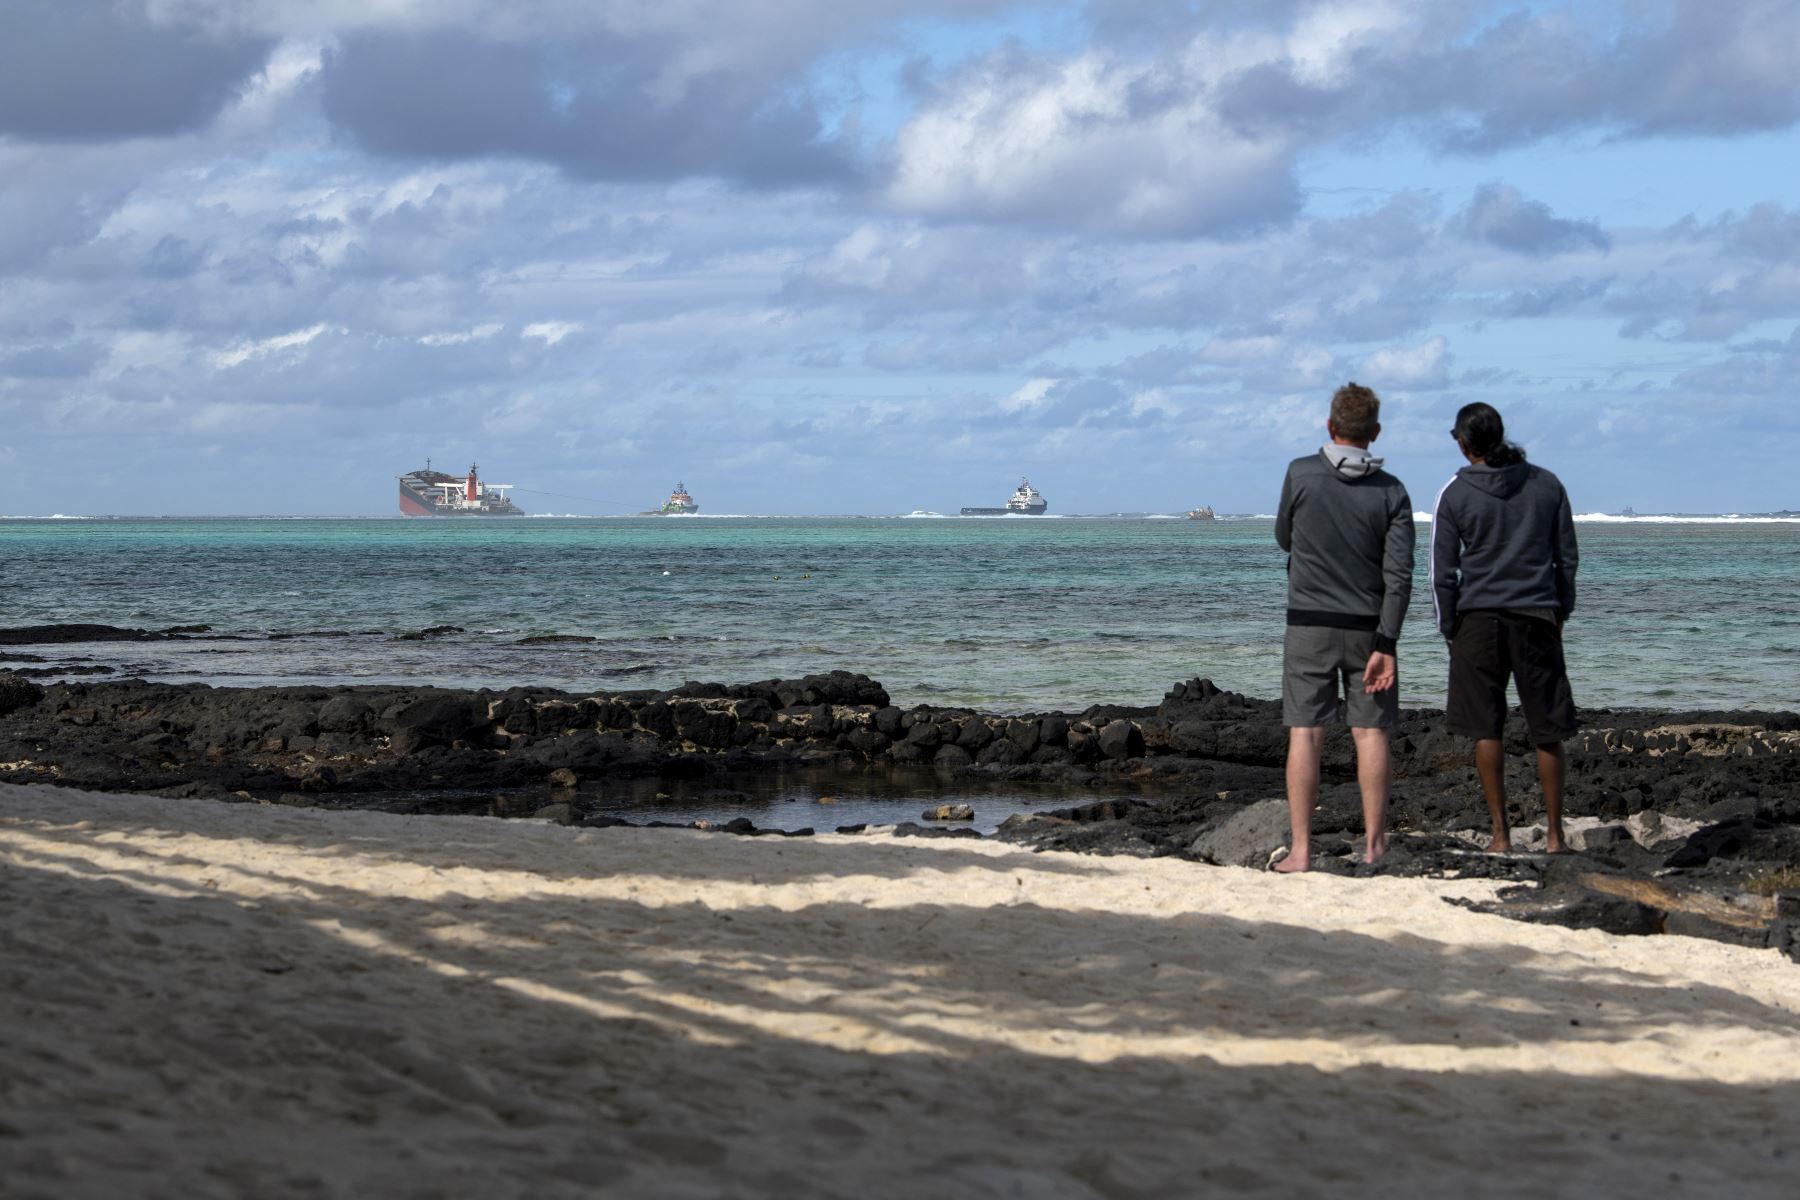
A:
(205, 999)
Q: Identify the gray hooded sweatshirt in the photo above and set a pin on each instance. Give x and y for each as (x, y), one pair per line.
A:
(1502, 537)
(1347, 526)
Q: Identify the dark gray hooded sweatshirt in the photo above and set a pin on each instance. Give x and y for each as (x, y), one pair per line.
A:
(1502, 537)
(1347, 526)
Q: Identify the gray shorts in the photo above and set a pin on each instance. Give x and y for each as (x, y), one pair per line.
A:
(1318, 666)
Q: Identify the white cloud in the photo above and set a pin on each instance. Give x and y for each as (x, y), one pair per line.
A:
(551, 332)
(1029, 397)
(1096, 143)
(479, 333)
(1418, 368)
(243, 352)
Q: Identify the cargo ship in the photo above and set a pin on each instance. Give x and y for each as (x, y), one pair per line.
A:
(1025, 500)
(679, 503)
(429, 493)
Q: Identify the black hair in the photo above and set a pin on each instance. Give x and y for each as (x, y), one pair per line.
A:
(1483, 434)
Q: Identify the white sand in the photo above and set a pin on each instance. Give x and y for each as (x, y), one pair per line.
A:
(233, 1000)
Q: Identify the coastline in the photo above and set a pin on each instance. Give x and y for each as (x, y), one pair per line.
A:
(269, 1000)
(1686, 821)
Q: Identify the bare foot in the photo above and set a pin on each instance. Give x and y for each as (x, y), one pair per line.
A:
(1292, 863)
(1373, 852)
(1499, 845)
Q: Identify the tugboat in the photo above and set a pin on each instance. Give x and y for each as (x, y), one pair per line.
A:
(1203, 513)
(679, 503)
(429, 493)
(1025, 500)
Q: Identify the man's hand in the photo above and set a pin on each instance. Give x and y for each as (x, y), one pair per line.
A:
(1379, 675)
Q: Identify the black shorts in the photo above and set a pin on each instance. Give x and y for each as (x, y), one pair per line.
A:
(1489, 647)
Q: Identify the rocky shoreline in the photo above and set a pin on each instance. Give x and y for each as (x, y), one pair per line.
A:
(1685, 821)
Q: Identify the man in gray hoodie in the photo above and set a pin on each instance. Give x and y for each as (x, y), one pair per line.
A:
(1503, 564)
(1347, 526)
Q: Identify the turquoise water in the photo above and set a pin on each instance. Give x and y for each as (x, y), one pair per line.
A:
(1005, 614)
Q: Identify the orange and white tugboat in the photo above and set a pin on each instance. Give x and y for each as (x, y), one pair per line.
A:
(679, 503)
(430, 493)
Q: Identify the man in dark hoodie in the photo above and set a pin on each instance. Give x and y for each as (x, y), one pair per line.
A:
(1503, 577)
(1347, 526)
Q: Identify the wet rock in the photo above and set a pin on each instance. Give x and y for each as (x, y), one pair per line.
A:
(1099, 810)
(951, 758)
(318, 778)
(435, 631)
(56, 635)
(704, 723)
(563, 777)
(346, 714)
(1022, 734)
(867, 742)
(1121, 739)
(434, 719)
(562, 814)
(1600, 838)
(1728, 839)
(924, 735)
(949, 812)
(973, 734)
(17, 692)
(1571, 907)
(1246, 838)
(554, 639)
(909, 829)
(1001, 753)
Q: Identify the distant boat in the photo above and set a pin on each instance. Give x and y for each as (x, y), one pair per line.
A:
(1203, 513)
(1629, 511)
(1026, 500)
(679, 503)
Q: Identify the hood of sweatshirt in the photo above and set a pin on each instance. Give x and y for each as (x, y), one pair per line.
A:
(1350, 462)
(1503, 482)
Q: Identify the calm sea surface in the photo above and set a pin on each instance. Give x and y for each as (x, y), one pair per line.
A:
(1004, 614)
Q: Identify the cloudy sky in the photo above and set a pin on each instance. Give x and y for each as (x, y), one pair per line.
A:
(260, 256)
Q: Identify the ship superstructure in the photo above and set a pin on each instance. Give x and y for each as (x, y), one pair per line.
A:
(429, 493)
(1026, 501)
(679, 503)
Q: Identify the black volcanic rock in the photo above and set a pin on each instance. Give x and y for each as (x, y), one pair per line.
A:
(17, 692)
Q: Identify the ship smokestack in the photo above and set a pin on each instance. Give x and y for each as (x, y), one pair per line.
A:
(472, 493)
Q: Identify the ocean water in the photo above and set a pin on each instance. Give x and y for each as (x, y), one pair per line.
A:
(1005, 614)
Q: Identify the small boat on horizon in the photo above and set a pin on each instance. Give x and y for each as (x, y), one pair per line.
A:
(1203, 513)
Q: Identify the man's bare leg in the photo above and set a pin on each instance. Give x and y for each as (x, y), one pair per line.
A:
(1373, 771)
(1490, 764)
(1304, 745)
(1552, 767)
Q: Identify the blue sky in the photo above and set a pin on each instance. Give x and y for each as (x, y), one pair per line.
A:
(260, 256)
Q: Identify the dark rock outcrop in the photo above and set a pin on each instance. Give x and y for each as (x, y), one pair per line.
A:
(1690, 806)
